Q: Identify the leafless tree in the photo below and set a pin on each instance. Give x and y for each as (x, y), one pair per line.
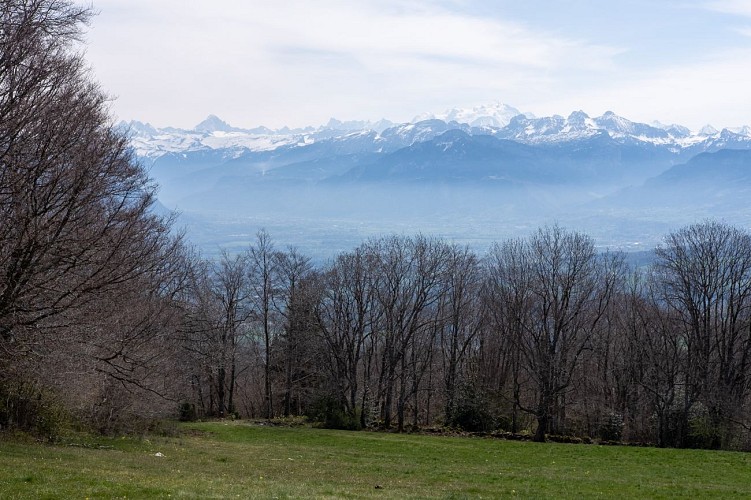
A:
(655, 340)
(86, 267)
(230, 292)
(561, 289)
(75, 204)
(346, 315)
(263, 276)
(506, 303)
(460, 319)
(298, 292)
(410, 273)
(705, 271)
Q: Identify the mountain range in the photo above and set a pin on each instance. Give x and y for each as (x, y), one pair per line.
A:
(473, 175)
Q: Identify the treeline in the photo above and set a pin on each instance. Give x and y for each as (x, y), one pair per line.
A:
(108, 320)
(543, 334)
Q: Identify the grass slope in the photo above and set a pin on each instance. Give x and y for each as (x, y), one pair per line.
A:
(231, 460)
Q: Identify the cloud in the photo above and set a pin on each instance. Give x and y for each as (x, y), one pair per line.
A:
(296, 62)
(714, 88)
(736, 7)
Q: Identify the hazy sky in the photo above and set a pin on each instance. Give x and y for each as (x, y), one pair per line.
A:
(300, 62)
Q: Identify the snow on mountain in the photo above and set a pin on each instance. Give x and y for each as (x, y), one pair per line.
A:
(499, 120)
(580, 126)
(421, 131)
(212, 133)
(139, 128)
(708, 130)
(618, 126)
(549, 129)
(161, 143)
(356, 125)
(213, 123)
(673, 129)
(491, 115)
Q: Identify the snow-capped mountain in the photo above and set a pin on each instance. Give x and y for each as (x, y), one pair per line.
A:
(495, 115)
(499, 120)
(213, 133)
(578, 125)
(474, 175)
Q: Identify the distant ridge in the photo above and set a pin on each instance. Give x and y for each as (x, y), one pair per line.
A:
(498, 120)
(626, 182)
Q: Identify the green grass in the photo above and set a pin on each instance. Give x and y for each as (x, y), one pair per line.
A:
(238, 460)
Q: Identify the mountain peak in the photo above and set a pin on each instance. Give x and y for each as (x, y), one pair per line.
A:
(708, 130)
(578, 117)
(495, 114)
(213, 123)
(137, 127)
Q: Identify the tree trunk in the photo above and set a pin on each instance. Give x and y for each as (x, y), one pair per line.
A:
(542, 424)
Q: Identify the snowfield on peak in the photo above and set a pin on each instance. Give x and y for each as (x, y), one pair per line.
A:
(491, 115)
(157, 142)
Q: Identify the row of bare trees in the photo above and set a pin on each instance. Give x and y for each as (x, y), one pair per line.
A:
(542, 334)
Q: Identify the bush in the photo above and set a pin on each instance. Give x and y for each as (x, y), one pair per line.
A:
(612, 427)
(332, 415)
(25, 407)
(187, 412)
(472, 413)
(703, 432)
(473, 419)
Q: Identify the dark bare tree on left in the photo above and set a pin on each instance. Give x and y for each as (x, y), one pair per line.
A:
(75, 206)
(77, 227)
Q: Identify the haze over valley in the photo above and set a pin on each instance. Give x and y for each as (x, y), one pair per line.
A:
(472, 176)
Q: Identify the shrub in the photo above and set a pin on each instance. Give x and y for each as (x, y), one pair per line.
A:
(612, 427)
(187, 412)
(332, 414)
(472, 413)
(703, 431)
(25, 407)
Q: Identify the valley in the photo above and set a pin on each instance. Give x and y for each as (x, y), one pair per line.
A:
(497, 174)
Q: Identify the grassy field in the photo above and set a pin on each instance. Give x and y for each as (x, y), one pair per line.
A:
(239, 460)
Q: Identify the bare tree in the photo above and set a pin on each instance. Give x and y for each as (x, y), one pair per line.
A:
(410, 273)
(74, 203)
(506, 303)
(263, 290)
(88, 272)
(230, 291)
(346, 315)
(298, 290)
(561, 289)
(460, 319)
(655, 340)
(705, 270)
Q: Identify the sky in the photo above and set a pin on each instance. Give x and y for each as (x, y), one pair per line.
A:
(300, 62)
